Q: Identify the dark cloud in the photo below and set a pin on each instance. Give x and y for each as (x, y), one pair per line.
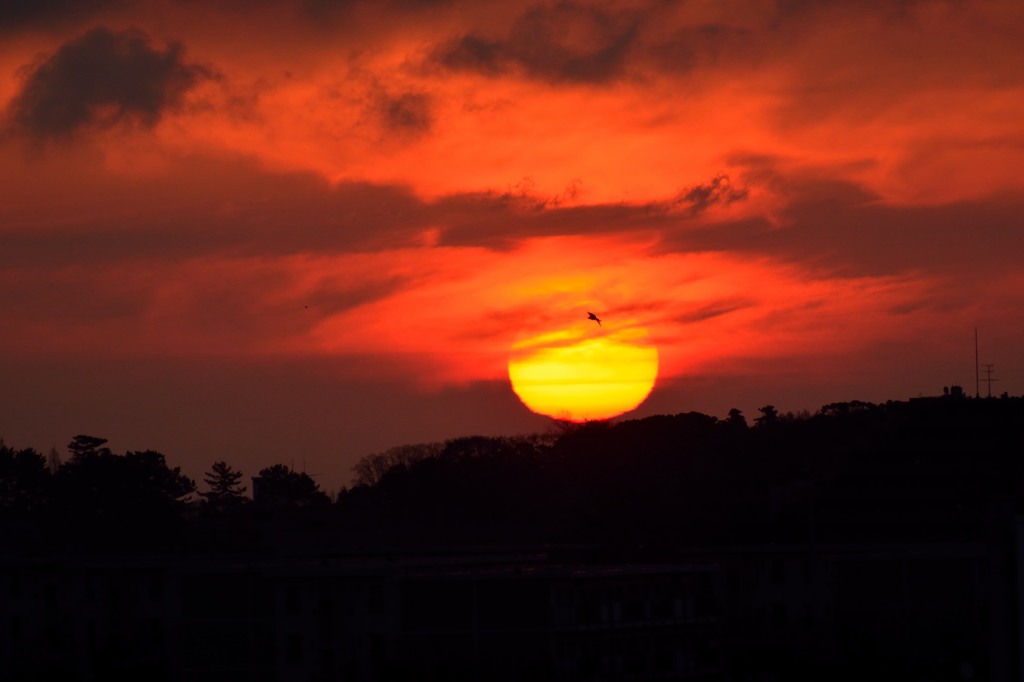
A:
(192, 211)
(700, 198)
(711, 310)
(707, 46)
(420, 4)
(493, 221)
(102, 79)
(838, 227)
(500, 220)
(327, 9)
(473, 53)
(888, 8)
(564, 43)
(410, 112)
(21, 14)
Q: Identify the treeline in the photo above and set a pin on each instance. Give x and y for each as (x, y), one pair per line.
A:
(930, 469)
(98, 499)
(926, 469)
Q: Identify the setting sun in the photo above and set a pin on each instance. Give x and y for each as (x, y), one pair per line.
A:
(584, 371)
(278, 239)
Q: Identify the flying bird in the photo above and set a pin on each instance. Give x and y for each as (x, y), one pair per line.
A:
(595, 318)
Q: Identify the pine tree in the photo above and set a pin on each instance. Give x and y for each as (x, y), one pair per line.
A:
(225, 492)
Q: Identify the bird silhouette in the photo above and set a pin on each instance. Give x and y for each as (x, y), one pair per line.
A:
(595, 318)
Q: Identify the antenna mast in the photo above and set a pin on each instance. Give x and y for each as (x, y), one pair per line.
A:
(988, 377)
(977, 367)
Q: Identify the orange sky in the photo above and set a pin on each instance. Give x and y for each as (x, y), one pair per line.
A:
(335, 218)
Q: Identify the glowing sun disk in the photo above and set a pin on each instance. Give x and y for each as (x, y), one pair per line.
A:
(582, 374)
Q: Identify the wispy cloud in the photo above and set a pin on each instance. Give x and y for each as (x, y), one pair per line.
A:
(564, 42)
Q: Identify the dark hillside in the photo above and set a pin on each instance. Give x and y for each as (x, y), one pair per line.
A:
(926, 469)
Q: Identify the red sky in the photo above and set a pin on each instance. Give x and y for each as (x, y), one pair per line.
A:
(270, 232)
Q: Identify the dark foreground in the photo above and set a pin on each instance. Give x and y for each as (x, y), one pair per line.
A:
(865, 542)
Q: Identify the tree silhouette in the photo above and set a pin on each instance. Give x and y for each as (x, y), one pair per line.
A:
(149, 469)
(83, 447)
(100, 482)
(736, 419)
(371, 469)
(278, 486)
(769, 415)
(225, 492)
(24, 480)
(131, 498)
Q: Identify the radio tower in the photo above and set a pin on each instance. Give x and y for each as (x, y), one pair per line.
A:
(978, 370)
(988, 377)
